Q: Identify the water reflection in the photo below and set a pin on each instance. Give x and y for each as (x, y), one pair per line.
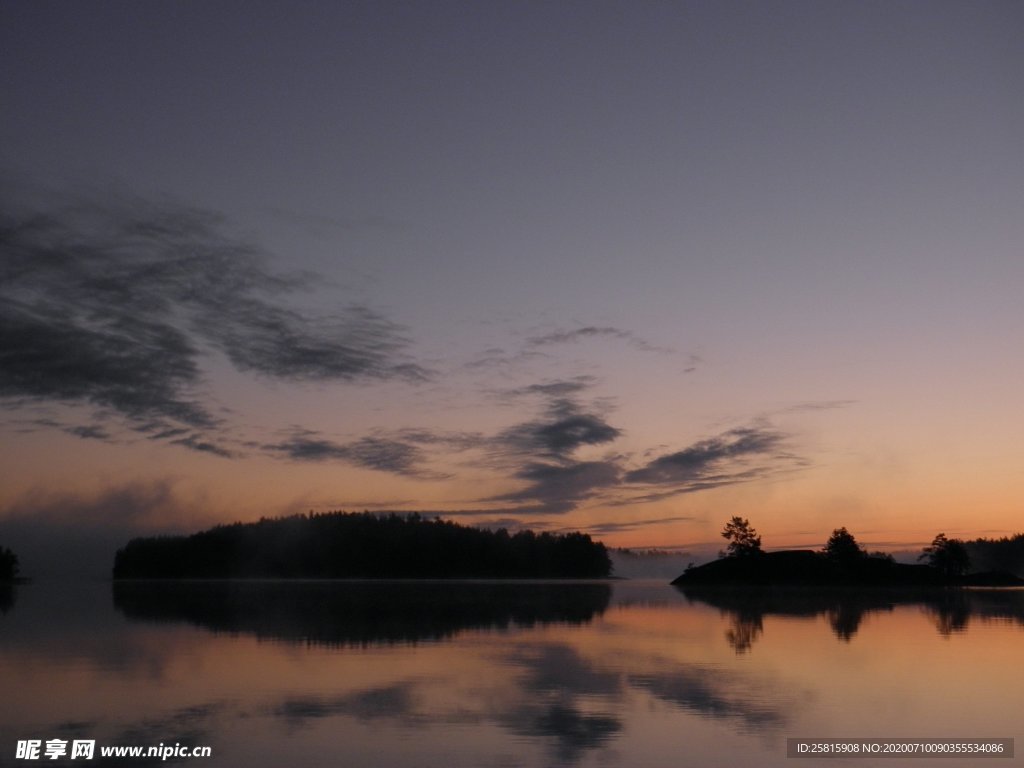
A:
(7, 594)
(951, 610)
(360, 613)
(382, 674)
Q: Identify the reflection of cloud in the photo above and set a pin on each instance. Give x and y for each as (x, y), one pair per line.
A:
(554, 667)
(709, 692)
(393, 701)
(573, 731)
(111, 306)
(188, 726)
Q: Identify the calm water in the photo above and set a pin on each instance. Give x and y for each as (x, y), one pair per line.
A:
(486, 674)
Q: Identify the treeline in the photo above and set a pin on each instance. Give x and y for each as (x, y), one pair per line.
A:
(1005, 554)
(338, 545)
(946, 562)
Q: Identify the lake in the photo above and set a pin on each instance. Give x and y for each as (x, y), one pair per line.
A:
(496, 674)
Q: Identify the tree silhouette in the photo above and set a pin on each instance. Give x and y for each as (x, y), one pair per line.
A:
(841, 547)
(743, 539)
(8, 565)
(947, 555)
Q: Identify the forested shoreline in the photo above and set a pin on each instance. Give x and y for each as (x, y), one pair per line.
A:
(338, 545)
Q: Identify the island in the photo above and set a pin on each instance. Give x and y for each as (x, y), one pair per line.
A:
(346, 545)
(841, 562)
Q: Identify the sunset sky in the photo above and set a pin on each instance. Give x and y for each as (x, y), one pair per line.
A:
(629, 268)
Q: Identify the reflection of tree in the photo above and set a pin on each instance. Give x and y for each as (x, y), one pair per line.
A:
(845, 618)
(845, 608)
(358, 613)
(8, 565)
(745, 629)
(951, 613)
(6, 597)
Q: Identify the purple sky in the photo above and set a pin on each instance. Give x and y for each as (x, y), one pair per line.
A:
(630, 268)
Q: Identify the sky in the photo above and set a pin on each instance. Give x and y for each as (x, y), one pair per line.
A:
(629, 268)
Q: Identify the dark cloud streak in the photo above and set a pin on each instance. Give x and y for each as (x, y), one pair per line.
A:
(398, 452)
(698, 464)
(115, 305)
(593, 331)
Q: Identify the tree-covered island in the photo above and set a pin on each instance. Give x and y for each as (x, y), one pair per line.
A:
(339, 545)
(842, 561)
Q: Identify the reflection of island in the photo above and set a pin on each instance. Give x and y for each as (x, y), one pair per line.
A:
(359, 612)
(845, 608)
(6, 596)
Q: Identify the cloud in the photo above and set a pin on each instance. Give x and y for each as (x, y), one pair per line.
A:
(541, 452)
(819, 405)
(633, 525)
(400, 458)
(591, 332)
(196, 443)
(561, 487)
(115, 306)
(565, 427)
(90, 432)
(553, 389)
(397, 451)
(719, 460)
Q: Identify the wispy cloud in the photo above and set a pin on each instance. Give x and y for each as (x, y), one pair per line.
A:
(395, 456)
(398, 452)
(114, 306)
(560, 488)
(541, 452)
(565, 427)
(621, 526)
(557, 388)
(716, 460)
(593, 332)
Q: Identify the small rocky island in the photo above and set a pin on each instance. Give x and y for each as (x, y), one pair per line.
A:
(340, 545)
(842, 562)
